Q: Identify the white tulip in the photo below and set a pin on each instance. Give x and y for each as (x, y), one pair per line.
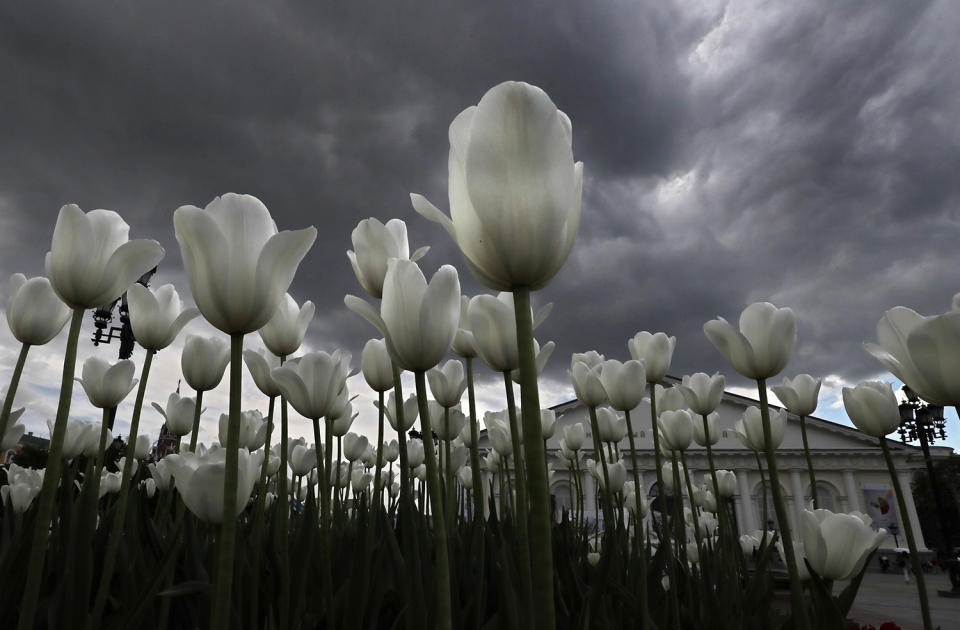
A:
(375, 244)
(764, 343)
(204, 360)
(284, 332)
(34, 312)
(157, 317)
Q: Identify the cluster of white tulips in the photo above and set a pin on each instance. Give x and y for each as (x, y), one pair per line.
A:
(280, 531)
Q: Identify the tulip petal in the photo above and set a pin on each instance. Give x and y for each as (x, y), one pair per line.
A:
(130, 261)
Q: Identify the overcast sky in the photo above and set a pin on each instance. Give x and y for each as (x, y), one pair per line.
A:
(804, 153)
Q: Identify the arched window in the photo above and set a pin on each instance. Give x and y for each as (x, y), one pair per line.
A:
(826, 496)
(562, 498)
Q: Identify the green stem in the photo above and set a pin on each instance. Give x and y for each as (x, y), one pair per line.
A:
(223, 585)
(521, 547)
(911, 542)
(541, 545)
(478, 510)
(283, 513)
(444, 611)
(764, 526)
(663, 531)
(38, 546)
(12, 389)
(602, 462)
(806, 452)
(195, 432)
(258, 519)
(377, 474)
(116, 531)
(693, 506)
(799, 605)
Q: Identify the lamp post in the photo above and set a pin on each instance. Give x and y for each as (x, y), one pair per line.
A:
(104, 332)
(923, 422)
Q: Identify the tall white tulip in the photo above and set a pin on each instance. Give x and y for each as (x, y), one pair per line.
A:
(574, 435)
(587, 384)
(34, 312)
(157, 316)
(676, 430)
(203, 361)
(374, 245)
(91, 262)
(611, 427)
(284, 333)
(238, 264)
(763, 345)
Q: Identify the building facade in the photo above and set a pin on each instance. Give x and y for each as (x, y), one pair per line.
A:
(849, 466)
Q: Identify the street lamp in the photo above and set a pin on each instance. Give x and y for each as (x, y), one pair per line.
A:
(105, 332)
(925, 422)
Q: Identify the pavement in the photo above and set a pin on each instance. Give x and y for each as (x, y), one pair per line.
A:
(885, 597)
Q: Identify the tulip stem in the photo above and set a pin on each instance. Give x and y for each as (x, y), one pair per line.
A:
(693, 506)
(223, 586)
(602, 463)
(799, 606)
(806, 452)
(663, 531)
(283, 512)
(195, 432)
(540, 536)
(48, 491)
(763, 484)
(443, 619)
(12, 389)
(258, 519)
(116, 530)
(908, 532)
(478, 509)
(520, 507)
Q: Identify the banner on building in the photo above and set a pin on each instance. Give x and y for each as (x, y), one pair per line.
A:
(881, 506)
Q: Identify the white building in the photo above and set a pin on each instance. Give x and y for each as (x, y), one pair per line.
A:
(850, 469)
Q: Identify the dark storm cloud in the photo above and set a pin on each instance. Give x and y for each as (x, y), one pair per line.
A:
(802, 152)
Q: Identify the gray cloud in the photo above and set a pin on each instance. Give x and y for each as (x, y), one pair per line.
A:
(735, 151)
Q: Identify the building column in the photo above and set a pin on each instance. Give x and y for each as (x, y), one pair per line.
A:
(906, 479)
(796, 487)
(854, 503)
(744, 503)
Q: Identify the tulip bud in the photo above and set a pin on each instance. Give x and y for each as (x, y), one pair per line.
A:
(446, 425)
(34, 312)
(204, 360)
(872, 408)
(574, 436)
(837, 545)
(515, 190)
(624, 383)
(162, 474)
(375, 244)
(655, 351)
(410, 410)
(669, 399)
(253, 429)
(142, 450)
(302, 459)
(676, 430)
(587, 385)
(749, 428)
(157, 316)
(464, 344)
(415, 454)
(91, 262)
(313, 382)
(261, 366)
(376, 366)
(14, 432)
(447, 383)
(78, 438)
(391, 451)
(283, 333)
(611, 428)
(764, 343)
(494, 328)
(178, 415)
(799, 395)
(702, 392)
(727, 484)
(465, 477)
(354, 446)
(709, 435)
(237, 263)
(548, 423)
(107, 385)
